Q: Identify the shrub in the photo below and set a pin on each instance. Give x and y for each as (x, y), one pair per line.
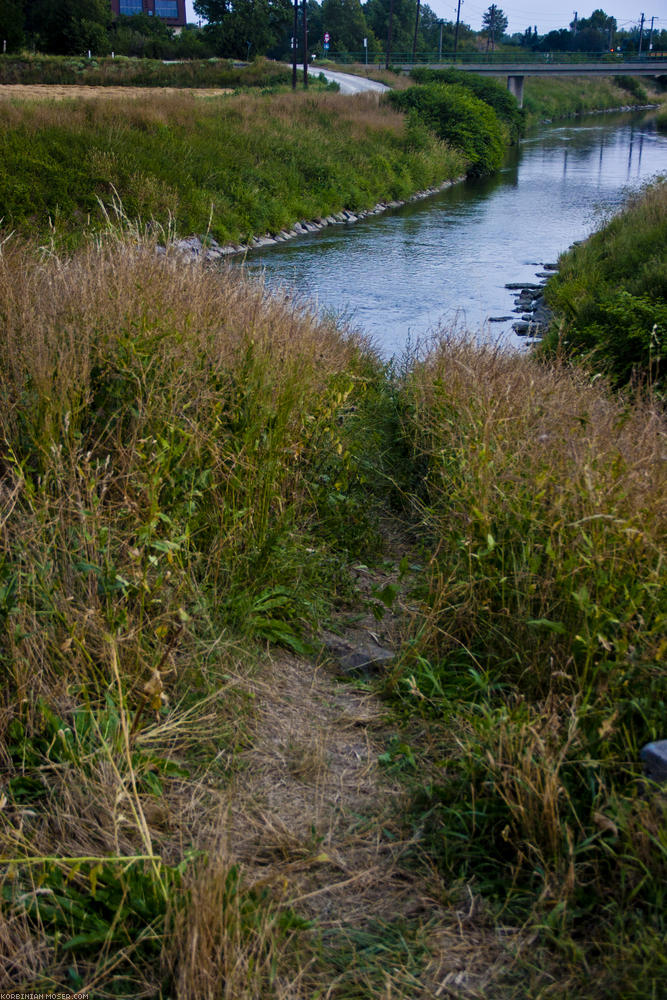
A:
(466, 122)
(632, 85)
(489, 91)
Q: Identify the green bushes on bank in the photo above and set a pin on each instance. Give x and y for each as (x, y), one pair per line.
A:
(122, 71)
(610, 295)
(459, 118)
(490, 91)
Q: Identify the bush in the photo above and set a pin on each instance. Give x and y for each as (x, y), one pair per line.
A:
(489, 91)
(632, 85)
(457, 117)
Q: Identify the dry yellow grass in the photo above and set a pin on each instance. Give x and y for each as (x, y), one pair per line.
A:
(60, 92)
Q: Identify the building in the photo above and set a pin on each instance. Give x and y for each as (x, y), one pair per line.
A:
(172, 12)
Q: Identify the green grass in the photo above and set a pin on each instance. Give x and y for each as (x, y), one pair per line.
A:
(126, 72)
(563, 98)
(537, 659)
(232, 167)
(190, 472)
(191, 469)
(610, 295)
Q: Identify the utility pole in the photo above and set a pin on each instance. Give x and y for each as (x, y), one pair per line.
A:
(440, 45)
(294, 38)
(650, 34)
(414, 40)
(574, 23)
(641, 32)
(456, 33)
(391, 21)
(305, 45)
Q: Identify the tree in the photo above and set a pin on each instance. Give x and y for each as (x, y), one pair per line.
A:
(345, 22)
(403, 23)
(69, 27)
(494, 23)
(242, 28)
(11, 24)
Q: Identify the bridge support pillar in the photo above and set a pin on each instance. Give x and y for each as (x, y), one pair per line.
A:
(515, 87)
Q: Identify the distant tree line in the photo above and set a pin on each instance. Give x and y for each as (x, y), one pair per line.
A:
(244, 29)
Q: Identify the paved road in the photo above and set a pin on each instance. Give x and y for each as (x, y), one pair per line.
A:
(348, 83)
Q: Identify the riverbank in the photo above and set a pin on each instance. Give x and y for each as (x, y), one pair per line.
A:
(565, 98)
(243, 169)
(237, 166)
(610, 295)
(211, 251)
(201, 483)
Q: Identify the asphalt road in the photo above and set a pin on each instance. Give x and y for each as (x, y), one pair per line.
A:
(348, 83)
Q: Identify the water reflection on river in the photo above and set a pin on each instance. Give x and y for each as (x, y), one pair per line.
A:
(446, 260)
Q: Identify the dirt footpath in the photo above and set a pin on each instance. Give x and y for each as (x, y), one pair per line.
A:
(60, 92)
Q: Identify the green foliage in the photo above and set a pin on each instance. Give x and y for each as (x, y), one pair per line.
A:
(459, 118)
(563, 98)
(633, 85)
(146, 72)
(611, 292)
(538, 659)
(346, 23)
(11, 24)
(236, 167)
(503, 103)
(69, 28)
(239, 28)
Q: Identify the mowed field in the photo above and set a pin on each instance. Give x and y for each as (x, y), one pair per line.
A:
(60, 92)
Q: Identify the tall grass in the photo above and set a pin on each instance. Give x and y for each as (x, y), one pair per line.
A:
(171, 449)
(232, 167)
(610, 294)
(539, 655)
(545, 98)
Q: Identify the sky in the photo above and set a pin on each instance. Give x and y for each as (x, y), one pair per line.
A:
(548, 15)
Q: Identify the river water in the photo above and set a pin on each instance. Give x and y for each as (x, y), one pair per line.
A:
(444, 262)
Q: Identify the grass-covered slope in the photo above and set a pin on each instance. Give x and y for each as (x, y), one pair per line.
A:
(231, 166)
(568, 96)
(191, 470)
(538, 664)
(610, 295)
(171, 471)
(122, 71)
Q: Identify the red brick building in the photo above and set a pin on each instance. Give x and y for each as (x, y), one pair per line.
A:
(172, 12)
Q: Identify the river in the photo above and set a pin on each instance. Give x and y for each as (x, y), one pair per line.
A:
(445, 261)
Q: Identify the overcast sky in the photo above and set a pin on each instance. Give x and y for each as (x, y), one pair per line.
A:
(547, 15)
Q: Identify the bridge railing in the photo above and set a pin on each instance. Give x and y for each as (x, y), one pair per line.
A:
(491, 58)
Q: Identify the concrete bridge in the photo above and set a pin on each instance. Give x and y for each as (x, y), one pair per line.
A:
(516, 72)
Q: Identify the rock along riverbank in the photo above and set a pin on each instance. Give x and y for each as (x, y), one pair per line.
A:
(196, 246)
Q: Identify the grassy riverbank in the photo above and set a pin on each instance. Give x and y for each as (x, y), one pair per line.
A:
(566, 97)
(125, 72)
(194, 474)
(232, 167)
(610, 295)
